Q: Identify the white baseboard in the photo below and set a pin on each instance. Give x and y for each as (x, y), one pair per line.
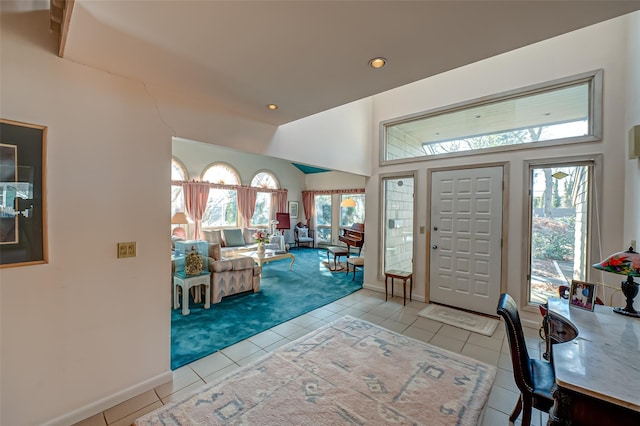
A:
(112, 400)
(380, 289)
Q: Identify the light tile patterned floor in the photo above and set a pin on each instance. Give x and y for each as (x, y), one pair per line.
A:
(368, 305)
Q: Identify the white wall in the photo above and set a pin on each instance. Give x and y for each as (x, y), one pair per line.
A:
(87, 329)
(631, 229)
(600, 46)
(334, 180)
(196, 156)
(338, 139)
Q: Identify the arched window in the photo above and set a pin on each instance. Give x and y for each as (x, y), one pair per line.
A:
(262, 213)
(222, 206)
(178, 172)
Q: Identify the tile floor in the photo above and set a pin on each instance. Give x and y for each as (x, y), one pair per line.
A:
(365, 304)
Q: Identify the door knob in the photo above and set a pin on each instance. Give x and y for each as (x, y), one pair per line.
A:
(434, 246)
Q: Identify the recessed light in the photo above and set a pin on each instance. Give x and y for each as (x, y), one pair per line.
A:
(272, 107)
(377, 63)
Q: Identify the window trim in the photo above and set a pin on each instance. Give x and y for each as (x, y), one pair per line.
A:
(593, 217)
(413, 174)
(595, 115)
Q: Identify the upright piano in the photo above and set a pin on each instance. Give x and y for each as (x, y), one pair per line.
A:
(353, 237)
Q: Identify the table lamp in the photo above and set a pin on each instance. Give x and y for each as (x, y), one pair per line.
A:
(180, 218)
(273, 227)
(624, 263)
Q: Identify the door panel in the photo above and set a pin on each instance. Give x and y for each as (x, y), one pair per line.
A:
(466, 237)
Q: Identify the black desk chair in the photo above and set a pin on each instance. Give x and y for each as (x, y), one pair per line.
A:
(533, 377)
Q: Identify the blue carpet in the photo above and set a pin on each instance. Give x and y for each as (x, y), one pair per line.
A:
(283, 295)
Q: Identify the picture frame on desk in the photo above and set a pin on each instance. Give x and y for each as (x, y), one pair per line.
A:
(582, 295)
(293, 209)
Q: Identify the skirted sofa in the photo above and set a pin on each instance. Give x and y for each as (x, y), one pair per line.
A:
(229, 276)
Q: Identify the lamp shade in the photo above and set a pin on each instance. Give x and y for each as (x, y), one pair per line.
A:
(623, 263)
(348, 202)
(179, 219)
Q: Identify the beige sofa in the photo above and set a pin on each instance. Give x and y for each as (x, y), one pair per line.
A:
(233, 240)
(230, 275)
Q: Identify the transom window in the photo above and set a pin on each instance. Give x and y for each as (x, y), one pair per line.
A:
(262, 212)
(221, 173)
(559, 112)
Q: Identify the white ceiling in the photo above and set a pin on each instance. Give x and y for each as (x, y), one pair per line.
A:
(306, 56)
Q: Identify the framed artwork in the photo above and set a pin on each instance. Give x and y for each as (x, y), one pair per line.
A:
(23, 224)
(293, 209)
(582, 295)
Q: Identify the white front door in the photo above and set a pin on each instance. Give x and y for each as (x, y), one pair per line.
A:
(466, 238)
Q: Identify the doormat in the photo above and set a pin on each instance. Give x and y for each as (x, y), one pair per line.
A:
(461, 319)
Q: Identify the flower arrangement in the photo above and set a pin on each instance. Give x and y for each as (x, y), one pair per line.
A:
(260, 236)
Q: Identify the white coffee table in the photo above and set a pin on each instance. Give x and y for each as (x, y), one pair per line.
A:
(269, 256)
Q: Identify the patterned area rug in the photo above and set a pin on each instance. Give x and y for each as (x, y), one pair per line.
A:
(460, 319)
(347, 372)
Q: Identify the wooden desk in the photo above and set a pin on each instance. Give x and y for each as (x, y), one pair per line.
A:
(597, 372)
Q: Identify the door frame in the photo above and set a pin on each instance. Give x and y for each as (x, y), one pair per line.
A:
(505, 219)
(593, 234)
(383, 219)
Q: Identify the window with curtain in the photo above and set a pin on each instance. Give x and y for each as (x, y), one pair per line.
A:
(323, 218)
(350, 215)
(222, 205)
(262, 213)
(178, 172)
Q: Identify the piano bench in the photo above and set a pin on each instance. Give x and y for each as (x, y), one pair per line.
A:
(336, 252)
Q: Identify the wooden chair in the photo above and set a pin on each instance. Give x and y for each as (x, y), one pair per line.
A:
(303, 235)
(533, 377)
(355, 262)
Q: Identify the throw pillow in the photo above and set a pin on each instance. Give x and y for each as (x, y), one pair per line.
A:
(214, 251)
(303, 233)
(248, 235)
(233, 237)
(213, 236)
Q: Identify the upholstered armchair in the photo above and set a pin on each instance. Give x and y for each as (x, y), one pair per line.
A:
(303, 235)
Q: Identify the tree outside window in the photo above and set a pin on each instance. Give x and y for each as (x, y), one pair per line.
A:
(351, 215)
(323, 218)
(262, 212)
(222, 205)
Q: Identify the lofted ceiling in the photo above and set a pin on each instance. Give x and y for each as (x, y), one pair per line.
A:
(305, 56)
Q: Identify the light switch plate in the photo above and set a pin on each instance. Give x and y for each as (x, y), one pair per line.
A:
(128, 249)
(122, 250)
